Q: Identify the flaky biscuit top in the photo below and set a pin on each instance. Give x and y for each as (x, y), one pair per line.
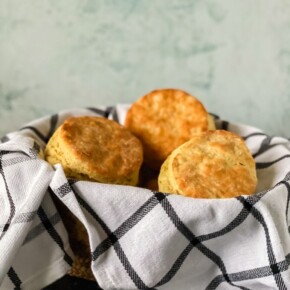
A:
(163, 120)
(96, 148)
(215, 164)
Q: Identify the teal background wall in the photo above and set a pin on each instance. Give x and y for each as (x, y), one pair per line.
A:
(233, 55)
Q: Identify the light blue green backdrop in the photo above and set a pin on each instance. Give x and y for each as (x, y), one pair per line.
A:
(233, 55)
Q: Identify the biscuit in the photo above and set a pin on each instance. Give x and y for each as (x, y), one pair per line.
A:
(213, 164)
(97, 149)
(163, 120)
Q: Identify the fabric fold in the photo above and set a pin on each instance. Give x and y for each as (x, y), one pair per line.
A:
(141, 239)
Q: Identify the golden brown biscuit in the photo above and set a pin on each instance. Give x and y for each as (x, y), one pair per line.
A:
(163, 120)
(213, 164)
(95, 148)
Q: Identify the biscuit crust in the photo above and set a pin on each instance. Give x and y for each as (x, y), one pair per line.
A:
(163, 120)
(214, 164)
(95, 148)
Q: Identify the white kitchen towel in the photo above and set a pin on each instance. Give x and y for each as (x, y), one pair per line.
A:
(141, 239)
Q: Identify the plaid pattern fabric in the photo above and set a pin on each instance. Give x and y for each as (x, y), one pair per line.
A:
(141, 239)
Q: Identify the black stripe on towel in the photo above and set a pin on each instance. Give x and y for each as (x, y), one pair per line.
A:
(11, 202)
(194, 241)
(53, 233)
(251, 274)
(36, 132)
(14, 278)
(262, 165)
(53, 124)
(271, 256)
(125, 227)
(136, 279)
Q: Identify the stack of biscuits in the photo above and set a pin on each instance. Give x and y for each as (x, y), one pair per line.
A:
(168, 143)
(183, 153)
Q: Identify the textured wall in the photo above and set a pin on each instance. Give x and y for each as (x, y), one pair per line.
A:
(233, 55)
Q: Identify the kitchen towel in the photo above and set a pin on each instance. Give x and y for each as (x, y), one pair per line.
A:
(140, 239)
